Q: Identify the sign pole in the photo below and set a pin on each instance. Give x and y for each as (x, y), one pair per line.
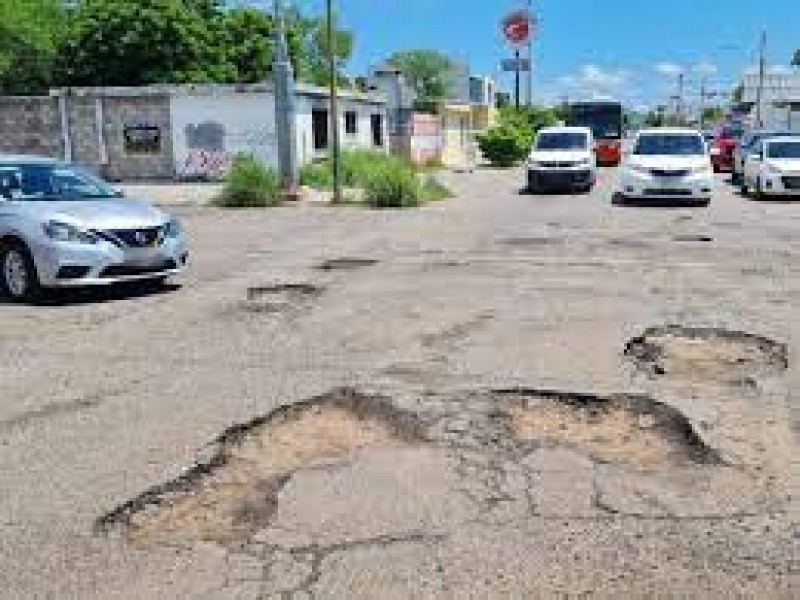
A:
(516, 78)
(530, 56)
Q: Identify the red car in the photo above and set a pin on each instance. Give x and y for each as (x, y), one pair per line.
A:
(723, 148)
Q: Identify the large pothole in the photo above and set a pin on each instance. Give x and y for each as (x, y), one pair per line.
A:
(281, 297)
(706, 353)
(234, 494)
(634, 431)
(346, 264)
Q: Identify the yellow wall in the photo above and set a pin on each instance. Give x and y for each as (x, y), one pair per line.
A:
(456, 134)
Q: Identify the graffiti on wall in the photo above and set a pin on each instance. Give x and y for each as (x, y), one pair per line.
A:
(206, 156)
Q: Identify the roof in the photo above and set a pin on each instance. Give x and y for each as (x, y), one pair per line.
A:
(670, 130)
(565, 129)
(267, 87)
(27, 158)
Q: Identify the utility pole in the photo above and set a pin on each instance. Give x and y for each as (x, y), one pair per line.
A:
(702, 102)
(285, 106)
(679, 106)
(762, 68)
(529, 94)
(334, 106)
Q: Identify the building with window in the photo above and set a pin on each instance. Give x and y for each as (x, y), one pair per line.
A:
(186, 131)
(780, 98)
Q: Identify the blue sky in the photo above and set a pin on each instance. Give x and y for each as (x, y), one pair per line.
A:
(631, 49)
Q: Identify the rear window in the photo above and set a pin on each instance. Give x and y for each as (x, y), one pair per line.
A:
(669, 144)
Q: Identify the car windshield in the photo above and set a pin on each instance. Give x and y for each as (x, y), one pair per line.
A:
(783, 150)
(50, 181)
(755, 139)
(564, 140)
(669, 145)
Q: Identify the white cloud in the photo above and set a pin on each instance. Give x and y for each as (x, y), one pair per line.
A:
(705, 68)
(668, 69)
(594, 81)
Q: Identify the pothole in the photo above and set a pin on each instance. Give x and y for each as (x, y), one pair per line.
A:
(693, 238)
(281, 297)
(346, 264)
(532, 241)
(229, 497)
(635, 431)
(706, 353)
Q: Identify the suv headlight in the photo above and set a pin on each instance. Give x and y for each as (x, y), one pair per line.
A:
(173, 228)
(64, 232)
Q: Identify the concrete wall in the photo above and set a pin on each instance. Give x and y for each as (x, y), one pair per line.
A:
(30, 126)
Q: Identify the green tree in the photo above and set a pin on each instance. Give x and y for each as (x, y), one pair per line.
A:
(796, 58)
(30, 31)
(247, 35)
(308, 44)
(713, 114)
(431, 73)
(118, 42)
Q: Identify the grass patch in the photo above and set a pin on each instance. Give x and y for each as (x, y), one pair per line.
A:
(249, 184)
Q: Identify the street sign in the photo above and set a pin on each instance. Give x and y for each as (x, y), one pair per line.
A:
(518, 27)
(512, 65)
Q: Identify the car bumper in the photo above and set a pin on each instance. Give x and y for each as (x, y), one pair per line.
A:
(60, 264)
(646, 187)
(560, 178)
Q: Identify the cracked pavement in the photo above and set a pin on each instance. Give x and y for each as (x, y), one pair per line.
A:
(550, 422)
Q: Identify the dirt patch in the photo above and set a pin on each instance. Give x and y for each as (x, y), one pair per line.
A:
(281, 297)
(346, 264)
(234, 494)
(635, 431)
(706, 353)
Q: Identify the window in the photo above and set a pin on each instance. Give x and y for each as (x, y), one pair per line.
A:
(50, 181)
(319, 126)
(670, 145)
(142, 139)
(563, 141)
(377, 130)
(350, 123)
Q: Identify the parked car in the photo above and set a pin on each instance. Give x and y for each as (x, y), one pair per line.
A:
(774, 169)
(668, 164)
(723, 148)
(749, 144)
(60, 226)
(562, 158)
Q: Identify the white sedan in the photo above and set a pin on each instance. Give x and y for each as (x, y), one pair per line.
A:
(668, 164)
(774, 168)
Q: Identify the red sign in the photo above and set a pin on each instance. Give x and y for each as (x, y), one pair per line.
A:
(517, 27)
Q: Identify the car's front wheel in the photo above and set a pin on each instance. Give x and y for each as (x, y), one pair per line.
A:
(18, 277)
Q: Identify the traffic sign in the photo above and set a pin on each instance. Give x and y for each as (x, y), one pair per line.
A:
(518, 27)
(511, 65)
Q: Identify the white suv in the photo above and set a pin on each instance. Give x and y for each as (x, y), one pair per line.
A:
(668, 164)
(562, 158)
(774, 169)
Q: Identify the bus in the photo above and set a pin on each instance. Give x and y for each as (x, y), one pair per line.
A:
(606, 120)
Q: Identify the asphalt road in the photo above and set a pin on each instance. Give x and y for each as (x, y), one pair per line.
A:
(464, 420)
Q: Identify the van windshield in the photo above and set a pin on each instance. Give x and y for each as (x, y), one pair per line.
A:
(564, 140)
(669, 145)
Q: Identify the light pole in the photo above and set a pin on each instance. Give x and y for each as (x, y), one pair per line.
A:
(334, 108)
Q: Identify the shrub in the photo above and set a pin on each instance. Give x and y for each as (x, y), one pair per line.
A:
(392, 185)
(434, 190)
(317, 175)
(505, 145)
(249, 184)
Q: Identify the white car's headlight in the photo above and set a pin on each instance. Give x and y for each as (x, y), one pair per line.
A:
(64, 232)
(173, 228)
